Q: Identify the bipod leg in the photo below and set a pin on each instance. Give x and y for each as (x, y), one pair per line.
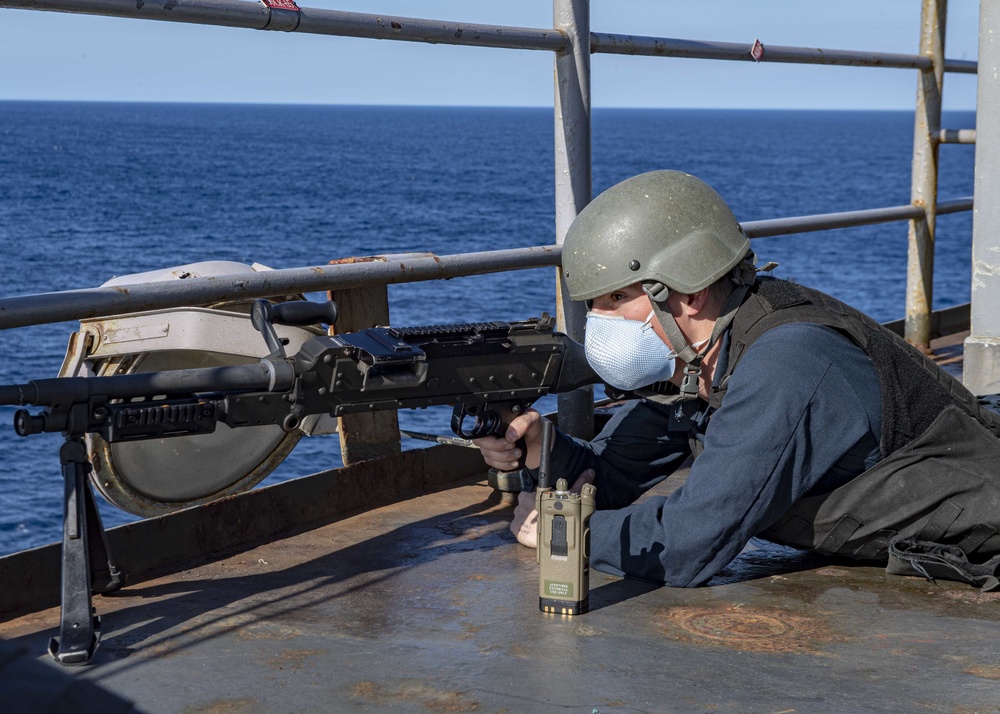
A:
(105, 576)
(79, 627)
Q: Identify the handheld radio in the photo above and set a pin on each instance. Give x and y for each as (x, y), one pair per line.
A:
(563, 540)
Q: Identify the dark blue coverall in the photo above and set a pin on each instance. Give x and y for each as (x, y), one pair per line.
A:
(802, 416)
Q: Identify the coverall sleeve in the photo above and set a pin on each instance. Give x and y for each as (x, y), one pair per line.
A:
(641, 445)
(791, 413)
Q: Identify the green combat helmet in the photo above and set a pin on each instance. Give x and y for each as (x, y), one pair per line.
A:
(669, 231)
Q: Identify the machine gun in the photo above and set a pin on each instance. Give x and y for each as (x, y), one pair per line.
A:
(490, 372)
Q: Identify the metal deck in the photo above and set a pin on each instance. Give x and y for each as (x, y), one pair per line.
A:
(429, 604)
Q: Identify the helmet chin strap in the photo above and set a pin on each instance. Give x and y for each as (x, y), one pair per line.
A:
(658, 293)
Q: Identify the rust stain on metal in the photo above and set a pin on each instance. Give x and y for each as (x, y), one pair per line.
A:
(984, 672)
(520, 651)
(265, 630)
(292, 659)
(976, 597)
(365, 690)
(745, 629)
(455, 703)
(363, 259)
(434, 699)
(470, 630)
(832, 572)
(223, 706)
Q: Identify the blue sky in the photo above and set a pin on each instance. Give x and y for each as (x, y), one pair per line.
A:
(55, 56)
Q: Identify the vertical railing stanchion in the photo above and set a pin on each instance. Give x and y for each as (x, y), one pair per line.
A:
(982, 347)
(366, 435)
(572, 180)
(923, 193)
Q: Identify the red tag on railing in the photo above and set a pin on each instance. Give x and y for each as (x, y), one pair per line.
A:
(282, 5)
(757, 51)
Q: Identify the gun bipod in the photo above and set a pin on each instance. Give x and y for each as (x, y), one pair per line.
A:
(85, 560)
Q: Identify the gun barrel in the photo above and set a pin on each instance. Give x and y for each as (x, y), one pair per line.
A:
(63, 390)
(11, 394)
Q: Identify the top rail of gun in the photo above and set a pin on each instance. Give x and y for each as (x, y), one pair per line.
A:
(466, 329)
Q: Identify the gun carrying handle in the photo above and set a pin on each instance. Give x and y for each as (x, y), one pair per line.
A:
(265, 315)
(262, 318)
(304, 312)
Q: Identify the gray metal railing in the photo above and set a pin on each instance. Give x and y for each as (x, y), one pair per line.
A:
(258, 16)
(572, 43)
(848, 219)
(45, 308)
(611, 44)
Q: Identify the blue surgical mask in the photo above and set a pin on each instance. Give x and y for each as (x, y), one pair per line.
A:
(627, 354)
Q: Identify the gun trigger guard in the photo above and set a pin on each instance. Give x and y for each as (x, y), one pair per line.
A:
(458, 422)
(487, 422)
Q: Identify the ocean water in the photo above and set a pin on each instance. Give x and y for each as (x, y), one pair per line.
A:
(93, 191)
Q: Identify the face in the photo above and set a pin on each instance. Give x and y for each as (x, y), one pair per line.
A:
(629, 302)
(695, 318)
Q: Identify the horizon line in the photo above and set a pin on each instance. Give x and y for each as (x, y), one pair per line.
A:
(549, 107)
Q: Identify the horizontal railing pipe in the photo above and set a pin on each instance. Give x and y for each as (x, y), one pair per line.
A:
(380, 27)
(956, 136)
(606, 43)
(847, 219)
(961, 66)
(318, 21)
(46, 308)
(955, 205)
(945, 321)
(227, 13)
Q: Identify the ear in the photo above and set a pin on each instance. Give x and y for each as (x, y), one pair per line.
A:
(695, 304)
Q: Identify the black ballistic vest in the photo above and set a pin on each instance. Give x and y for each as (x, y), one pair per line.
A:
(939, 478)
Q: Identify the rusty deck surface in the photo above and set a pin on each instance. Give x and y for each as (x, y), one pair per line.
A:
(430, 605)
